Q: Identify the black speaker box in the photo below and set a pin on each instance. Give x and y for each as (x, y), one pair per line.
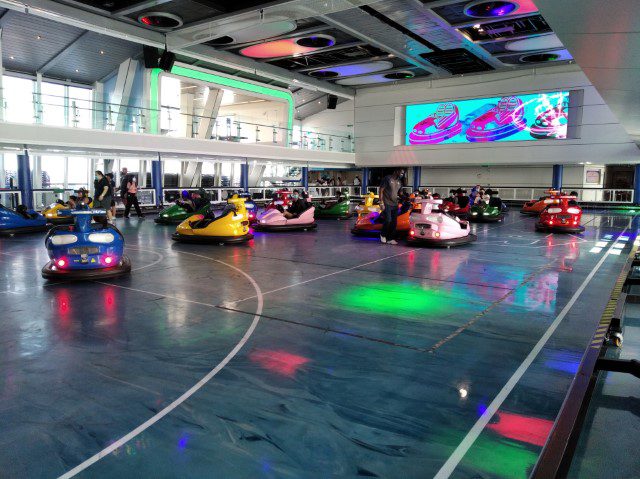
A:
(332, 102)
(167, 59)
(151, 56)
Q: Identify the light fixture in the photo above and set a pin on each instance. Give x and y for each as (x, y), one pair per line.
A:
(476, 26)
(12, 57)
(38, 37)
(101, 52)
(463, 392)
(77, 70)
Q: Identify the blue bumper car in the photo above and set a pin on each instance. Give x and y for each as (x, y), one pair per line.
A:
(21, 220)
(89, 249)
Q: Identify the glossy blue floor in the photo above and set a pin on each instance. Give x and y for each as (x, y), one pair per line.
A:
(300, 354)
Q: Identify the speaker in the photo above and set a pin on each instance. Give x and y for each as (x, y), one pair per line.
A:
(332, 102)
(151, 56)
(167, 59)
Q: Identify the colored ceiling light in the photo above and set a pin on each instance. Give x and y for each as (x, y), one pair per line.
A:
(256, 33)
(404, 75)
(286, 47)
(543, 42)
(354, 69)
(484, 9)
(316, 41)
(161, 20)
(540, 58)
(278, 361)
(521, 428)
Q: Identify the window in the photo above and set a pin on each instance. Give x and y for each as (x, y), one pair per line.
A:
(78, 172)
(10, 161)
(52, 168)
(52, 100)
(18, 97)
(170, 106)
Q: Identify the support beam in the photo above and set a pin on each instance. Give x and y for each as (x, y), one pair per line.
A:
(556, 182)
(156, 179)
(191, 174)
(122, 91)
(365, 180)
(305, 178)
(417, 177)
(209, 113)
(636, 185)
(138, 7)
(244, 176)
(62, 54)
(24, 180)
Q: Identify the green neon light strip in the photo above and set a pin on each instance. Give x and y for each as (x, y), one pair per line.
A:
(217, 80)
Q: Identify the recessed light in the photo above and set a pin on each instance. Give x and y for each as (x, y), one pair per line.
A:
(476, 26)
(101, 52)
(320, 102)
(77, 70)
(38, 37)
(12, 57)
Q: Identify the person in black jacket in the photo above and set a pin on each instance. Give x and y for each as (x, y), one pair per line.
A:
(297, 207)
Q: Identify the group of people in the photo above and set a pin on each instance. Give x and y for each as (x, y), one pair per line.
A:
(105, 192)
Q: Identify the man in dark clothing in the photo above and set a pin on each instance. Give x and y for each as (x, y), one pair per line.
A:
(103, 193)
(389, 188)
(124, 179)
(297, 207)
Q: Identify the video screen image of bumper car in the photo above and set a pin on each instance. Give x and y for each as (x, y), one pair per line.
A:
(91, 248)
(435, 228)
(230, 227)
(564, 217)
(20, 221)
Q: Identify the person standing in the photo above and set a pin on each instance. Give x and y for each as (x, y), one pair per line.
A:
(102, 195)
(132, 198)
(124, 179)
(389, 189)
(112, 189)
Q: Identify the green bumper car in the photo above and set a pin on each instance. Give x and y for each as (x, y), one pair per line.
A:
(176, 214)
(333, 209)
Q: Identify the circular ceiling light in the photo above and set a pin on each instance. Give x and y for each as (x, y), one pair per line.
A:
(324, 74)
(540, 58)
(255, 33)
(316, 41)
(404, 75)
(161, 20)
(371, 79)
(485, 9)
(353, 69)
(286, 47)
(543, 42)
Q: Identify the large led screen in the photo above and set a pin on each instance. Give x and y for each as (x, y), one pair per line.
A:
(542, 116)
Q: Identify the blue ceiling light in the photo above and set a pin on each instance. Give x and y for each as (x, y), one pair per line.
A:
(485, 9)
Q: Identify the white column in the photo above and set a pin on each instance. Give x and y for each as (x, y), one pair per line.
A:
(38, 107)
(98, 106)
(1, 105)
(122, 92)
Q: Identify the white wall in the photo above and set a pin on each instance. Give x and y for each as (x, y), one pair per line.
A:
(340, 120)
(500, 176)
(603, 140)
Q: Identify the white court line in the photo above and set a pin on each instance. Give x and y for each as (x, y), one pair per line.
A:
(231, 303)
(190, 392)
(448, 467)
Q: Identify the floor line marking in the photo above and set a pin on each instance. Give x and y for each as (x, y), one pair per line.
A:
(450, 465)
(231, 303)
(190, 392)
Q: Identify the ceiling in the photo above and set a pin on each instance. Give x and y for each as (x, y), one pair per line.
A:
(313, 47)
(604, 39)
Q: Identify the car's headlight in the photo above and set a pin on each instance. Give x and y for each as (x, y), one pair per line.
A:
(60, 240)
(49, 215)
(101, 237)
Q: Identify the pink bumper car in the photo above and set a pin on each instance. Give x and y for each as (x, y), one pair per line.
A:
(437, 228)
(274, 220)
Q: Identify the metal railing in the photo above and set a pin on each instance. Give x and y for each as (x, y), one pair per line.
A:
(10, 198)
(520, 193)
(55, 110)
(43, 197)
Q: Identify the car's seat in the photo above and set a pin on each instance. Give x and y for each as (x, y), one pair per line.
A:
(463, 201)
(495, 202)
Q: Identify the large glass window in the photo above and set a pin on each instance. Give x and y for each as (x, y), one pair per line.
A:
(170, 106)
(52, 104)
(10, 161)
(80, 111)
(78, 172)
(53, 169)
(18, 98)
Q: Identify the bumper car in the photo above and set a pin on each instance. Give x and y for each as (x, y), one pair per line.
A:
(232, 226)
(487, 212)
(281, 198)
(369, 222)
(535, 207)
(85, 250)
(503, 120)
(184, 208)
(460, 208)
(437, 127)
(250, 206)
(53, 216)
(438, 229)
(337, 208)
(21, 220)
(274, 220)
(552, 123)
(563, 217)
